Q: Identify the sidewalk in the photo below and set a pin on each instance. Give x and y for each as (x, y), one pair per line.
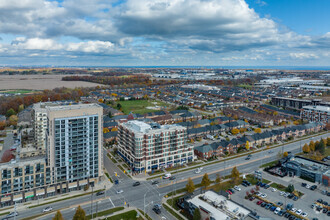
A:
(23, 206)
(164, 200)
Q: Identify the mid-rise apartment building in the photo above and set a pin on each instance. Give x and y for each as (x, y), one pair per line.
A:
(73, 159)
(315, 113)
(149, 147)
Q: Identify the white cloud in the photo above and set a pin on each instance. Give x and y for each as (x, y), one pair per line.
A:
(91, 47)
(303, 55)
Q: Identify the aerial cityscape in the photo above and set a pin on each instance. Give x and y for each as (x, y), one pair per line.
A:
(164, 109)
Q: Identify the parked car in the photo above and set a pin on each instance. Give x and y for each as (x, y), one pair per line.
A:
(280, 203)
(303, 184)
(263, 195)
(259, 202)
(268, 206)
(167, 176)
(156, 210)
(116, 182)
(314, 187)
(298, 212)
(263, 204)
(136, 183)
(304, 214)
(272, 208)
(295, 198)
(277, 210)
(237, 188)
(172, 178)
(12, 214)
(232, 191)
(266, 186)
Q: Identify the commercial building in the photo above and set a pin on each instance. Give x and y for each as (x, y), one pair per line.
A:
(149, 147)
(213, 206)
(315, 113)
(312, 170)
(73, 141)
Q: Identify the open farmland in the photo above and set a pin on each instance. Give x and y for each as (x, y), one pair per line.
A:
(39, 82)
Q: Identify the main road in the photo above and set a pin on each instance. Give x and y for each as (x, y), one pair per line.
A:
(146, 194)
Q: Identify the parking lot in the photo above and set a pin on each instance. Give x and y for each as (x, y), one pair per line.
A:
(304, 203)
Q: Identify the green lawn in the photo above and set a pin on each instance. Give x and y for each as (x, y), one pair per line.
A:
(106, 212)
(172, 212)
(139, 106)
(22, 91)
(130, 215)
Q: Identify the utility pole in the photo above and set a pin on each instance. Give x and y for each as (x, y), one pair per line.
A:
(15, 212)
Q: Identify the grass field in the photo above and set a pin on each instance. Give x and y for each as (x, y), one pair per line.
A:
(139, 106)
(130, 215)
(22, 91)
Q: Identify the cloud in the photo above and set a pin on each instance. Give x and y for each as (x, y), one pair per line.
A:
(91, 47)
(36, 44)
(303, 55)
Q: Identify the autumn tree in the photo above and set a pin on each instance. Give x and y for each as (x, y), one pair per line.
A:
(247, 145)
(257, 130)
(312, 146)
(306, 149)
(285, 154)
(206, 181)
(105, 130)
(114, 129)
(2, 125)
(190, 187)
(234, 131)
(58, 216)
(13, 120)
(320, 147)
(275, 113)
(235, 175)
(10, 112)
(328, 141)
(80, 214)
(20, 108)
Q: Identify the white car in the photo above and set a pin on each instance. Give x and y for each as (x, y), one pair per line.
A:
(298, 212)
(282, 193)
(47, 209)
(308, 186)
(273, 189)
(277, 210)
(120, 191)
(286, 194)
(258, 193)
(197, 171)
(304, 214)
(237, 188)
(263, 195)
(294, 209)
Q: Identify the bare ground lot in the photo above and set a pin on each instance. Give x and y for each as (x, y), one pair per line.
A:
(39, 82)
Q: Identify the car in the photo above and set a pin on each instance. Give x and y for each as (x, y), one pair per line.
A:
(319, 200)
(295, 198)
(237, 188)
(263, 195)
(258, 183)
(116, 182)
(262, 184)
(313, 206)
(154, 182)
(315, 219)
(259, 202)
(280, 203)
(167, 176)
(294, 209)
(328, 194)
(290, 196)
(277, 210)
(325, 203)
(172, 178)
(314, 187)
(230, 193)
(287, 215)
(298, 212)
(198, 171)
(12, 214)
(247, 158)
(304, 214)
(266, 186)
(282, 193)
(119, 191)
(268, 206)
(292, 217)
(303, 184)
(252, 198)
(272, 208)
(156, 210)
(244, 184)
(263, 204)
(281, 213)
(324, 192)
(47, 209)
(136, 183)
(286, 194)
(328, 214)
(325, 210)
(273, 189)
(99, 193)
(308, 186)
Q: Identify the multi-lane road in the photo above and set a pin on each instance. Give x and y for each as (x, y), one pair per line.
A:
(145, 195)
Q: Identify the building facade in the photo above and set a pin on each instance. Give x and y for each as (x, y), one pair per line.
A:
(315, 113)
(73, 159)
(150, 147)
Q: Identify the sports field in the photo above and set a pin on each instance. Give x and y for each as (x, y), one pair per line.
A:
(141, 106)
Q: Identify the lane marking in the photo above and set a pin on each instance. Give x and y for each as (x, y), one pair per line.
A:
(112, 202)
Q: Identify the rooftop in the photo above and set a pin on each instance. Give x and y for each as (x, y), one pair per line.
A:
(318, 108)
(142, 127)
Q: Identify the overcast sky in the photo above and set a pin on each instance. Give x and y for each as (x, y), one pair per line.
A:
(165, 32)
